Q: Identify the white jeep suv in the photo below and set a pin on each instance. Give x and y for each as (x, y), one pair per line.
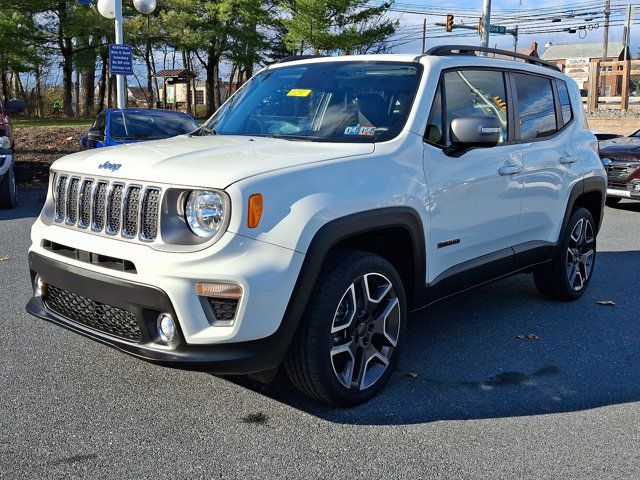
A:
(319, 205)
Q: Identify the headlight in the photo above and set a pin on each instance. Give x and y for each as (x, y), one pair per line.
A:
(205, 213)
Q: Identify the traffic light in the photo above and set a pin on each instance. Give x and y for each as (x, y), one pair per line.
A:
(500, 103)
(480, 26)
(449, 23)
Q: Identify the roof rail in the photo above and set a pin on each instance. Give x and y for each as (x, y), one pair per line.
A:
(293, 58)
(443, 50)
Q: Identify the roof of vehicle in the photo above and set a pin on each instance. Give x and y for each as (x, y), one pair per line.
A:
(147, 111)
(454, 53)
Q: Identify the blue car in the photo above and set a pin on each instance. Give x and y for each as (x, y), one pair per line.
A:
(117, 126)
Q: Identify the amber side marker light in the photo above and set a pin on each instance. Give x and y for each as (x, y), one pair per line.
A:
(255, 210)
(219, 290)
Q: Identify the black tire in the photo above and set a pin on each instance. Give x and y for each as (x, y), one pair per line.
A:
(310, 364)
(563, 278)
(612, 201)
(9, 189)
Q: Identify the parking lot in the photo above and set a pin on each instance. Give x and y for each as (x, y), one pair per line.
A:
(470, 399)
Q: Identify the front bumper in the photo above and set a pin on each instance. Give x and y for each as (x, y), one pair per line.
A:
(619, 193)
(145, 302)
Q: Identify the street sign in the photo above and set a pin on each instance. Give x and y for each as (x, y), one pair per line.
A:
(497, 29)
(120, 59)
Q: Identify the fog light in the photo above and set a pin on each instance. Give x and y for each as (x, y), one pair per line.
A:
(166, 327)
(39, 287)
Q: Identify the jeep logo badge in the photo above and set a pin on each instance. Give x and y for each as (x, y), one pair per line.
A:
(110, 166)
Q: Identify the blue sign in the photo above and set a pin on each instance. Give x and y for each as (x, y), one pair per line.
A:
(497, 29)
(85, 2)
(120, 59)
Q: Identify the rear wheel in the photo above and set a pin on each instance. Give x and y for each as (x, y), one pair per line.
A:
(568, 275)
(612, 201)
(348, 341)
(9, 189)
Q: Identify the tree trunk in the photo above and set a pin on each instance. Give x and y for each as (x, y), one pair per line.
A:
(212, 84)
(39, 101)
(150, 70)
(66, 50)
(185, 64)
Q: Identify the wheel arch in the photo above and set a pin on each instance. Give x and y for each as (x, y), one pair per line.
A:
(589, 193)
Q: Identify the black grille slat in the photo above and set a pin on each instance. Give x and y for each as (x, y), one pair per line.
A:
(72, 201)
(61, 197)
(99, 316)
(150, 209)
(85, 204)
(131, 212)
(99, 204)
(114, 209)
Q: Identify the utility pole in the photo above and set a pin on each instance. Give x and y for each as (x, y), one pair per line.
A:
(486, 22)
(424, 35)
(605, 40)
(627, 29)
(119, 41)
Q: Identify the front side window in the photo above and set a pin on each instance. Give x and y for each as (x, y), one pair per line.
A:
(536, 108)
(468, 93)
(100, 123)
(325, 101)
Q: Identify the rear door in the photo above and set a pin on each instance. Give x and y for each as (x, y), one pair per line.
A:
(548, 135)
(475, 195)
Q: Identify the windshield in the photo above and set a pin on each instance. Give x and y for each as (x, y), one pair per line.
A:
(136, 126)
(331, 101)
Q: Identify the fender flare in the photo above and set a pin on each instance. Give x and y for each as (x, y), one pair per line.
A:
(586, 185)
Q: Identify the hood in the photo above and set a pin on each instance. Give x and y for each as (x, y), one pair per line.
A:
(622, 145)
(214, 161)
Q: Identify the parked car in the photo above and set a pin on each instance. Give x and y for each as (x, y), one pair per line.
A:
(605, 135)
(8, 183)
(326, 199)
(621, 157)
(117, 126)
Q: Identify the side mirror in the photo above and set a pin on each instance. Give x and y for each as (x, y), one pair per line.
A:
(475, 131)
(95, 136)
(16, 106)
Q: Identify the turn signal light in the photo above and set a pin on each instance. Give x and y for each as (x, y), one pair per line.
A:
(255, 210)
(219, 290)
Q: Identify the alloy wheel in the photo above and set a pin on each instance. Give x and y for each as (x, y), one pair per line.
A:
(364, 331)
(580, 254)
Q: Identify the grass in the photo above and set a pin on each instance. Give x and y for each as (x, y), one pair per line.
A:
(52, 122)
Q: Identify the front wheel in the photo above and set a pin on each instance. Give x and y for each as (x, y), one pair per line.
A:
(348, 340)
(568, 275)
(9, 189)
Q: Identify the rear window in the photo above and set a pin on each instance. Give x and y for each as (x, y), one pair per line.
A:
(135, 126)
(536, 107)
(565, 102)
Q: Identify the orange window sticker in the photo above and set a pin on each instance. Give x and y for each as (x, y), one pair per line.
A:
(299, 92)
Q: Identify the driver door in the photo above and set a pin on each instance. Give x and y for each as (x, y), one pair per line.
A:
(475, 192)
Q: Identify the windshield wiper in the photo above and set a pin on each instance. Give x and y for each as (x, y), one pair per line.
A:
(206, 130)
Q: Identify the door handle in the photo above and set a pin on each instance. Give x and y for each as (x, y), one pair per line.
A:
(568, 159)
(510, 170)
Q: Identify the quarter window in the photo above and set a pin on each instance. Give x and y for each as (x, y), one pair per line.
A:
(536, 108)
(565, 103)
(468, 93)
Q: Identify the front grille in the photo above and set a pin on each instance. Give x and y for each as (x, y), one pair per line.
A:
(115, 208)
(105, 318)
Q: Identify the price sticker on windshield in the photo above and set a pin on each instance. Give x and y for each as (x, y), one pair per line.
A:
(299, 92)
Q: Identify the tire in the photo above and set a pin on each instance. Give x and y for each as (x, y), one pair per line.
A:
(9, 189)
(612, 201)
(348, 341)
(568, 275)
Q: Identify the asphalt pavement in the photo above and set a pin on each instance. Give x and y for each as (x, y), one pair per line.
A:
(469, 400)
